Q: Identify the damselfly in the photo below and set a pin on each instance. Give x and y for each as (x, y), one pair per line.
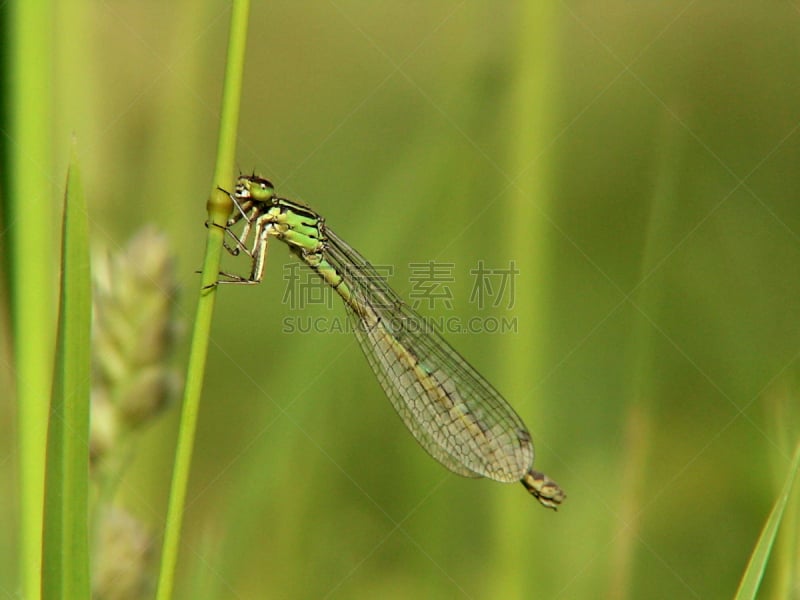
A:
(452, 411)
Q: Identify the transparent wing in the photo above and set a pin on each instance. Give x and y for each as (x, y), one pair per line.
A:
(452, 411)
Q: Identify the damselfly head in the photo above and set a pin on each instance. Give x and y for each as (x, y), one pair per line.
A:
(255, 188)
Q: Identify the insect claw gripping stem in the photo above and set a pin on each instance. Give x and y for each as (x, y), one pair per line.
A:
(234, 278)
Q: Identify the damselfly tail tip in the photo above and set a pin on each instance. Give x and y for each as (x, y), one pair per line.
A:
(544, 489)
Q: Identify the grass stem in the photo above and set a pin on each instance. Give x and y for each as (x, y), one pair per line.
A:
(219, 207)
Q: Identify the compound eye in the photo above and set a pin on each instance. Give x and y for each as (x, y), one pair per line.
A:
(257, 188)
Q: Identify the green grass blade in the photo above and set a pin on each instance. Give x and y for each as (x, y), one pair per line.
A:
(751, 580)
(29, 254)
(219, 207)
(65, 552)
(533, 113)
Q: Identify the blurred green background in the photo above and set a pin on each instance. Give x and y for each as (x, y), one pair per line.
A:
(638, 164)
